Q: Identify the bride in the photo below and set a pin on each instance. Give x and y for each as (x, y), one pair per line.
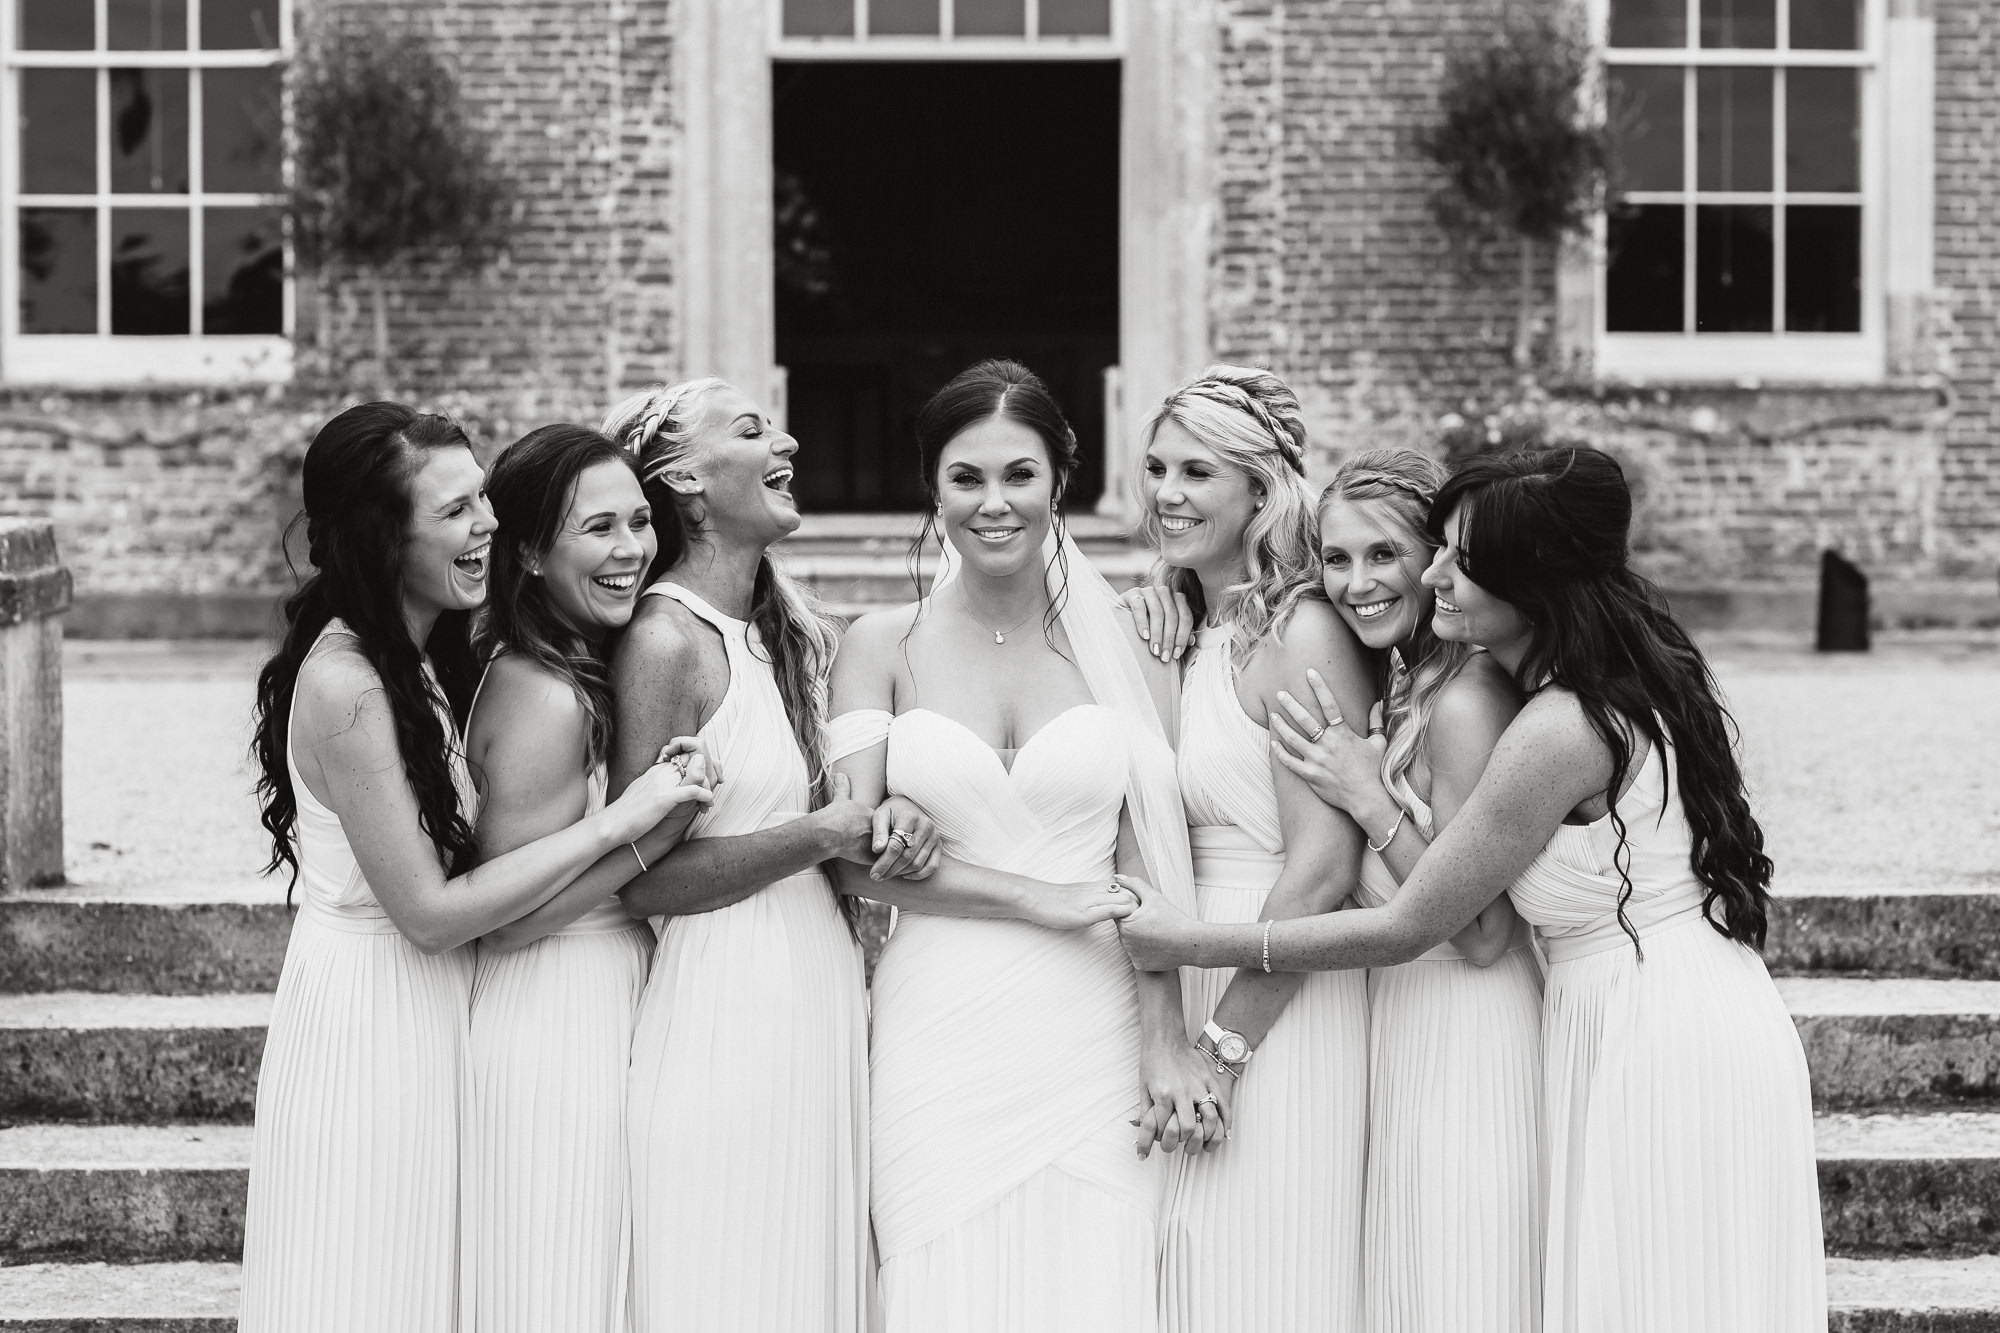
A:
(1014, 1048)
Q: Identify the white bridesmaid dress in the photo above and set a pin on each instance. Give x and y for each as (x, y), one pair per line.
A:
(1263, 1235)
(1684, 1195)
(547, 1205)
(1455, 1214)
(747, 1111)
(352, 1220)
(1008, 1197)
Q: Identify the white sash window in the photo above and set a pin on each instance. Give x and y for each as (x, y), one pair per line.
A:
(934, 29)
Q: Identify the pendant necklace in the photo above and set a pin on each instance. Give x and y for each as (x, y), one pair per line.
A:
(999, 635)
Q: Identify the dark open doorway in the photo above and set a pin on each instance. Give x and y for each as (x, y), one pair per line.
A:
(928, 215)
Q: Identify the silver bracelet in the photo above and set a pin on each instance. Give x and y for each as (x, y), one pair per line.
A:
(1267, 944)
(636, 857)
(1390, 836)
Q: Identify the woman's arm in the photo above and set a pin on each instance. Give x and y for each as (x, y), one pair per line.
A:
(349, 734)
(1547, 764)
(1322, 846)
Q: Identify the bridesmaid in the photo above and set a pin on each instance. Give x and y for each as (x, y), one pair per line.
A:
(748, 1104)
(555, 992)
(1683, 1189)
(1454, 1213)
(354, 1175)
(1264, 1234)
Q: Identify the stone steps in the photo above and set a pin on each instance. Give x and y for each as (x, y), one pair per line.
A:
(1897, 1042)
(1911, 1183)
(1911, 1295)
(1896, 932)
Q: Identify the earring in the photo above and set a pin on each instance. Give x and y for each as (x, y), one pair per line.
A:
(1259, 505)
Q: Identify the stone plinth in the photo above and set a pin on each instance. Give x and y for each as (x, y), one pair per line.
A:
(34, 592)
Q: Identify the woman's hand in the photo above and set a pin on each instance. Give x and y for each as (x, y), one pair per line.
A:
(1343, 769)
(1156, 934)
(846, 825)
(690, 755)
(906, 842)
(1162, 617)
(1076, 906)
(655, 795)
(1187, 1100)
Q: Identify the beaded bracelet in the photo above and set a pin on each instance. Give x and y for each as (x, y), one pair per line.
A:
(1390, 836)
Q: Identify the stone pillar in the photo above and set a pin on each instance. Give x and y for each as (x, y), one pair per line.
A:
(34, 592)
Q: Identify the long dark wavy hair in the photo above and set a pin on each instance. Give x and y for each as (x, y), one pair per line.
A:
(993, 388)
(356, 481)
(530, 488)
(1546, 531)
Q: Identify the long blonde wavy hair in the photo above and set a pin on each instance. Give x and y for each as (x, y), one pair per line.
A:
(1252, 420)
(1398, 486)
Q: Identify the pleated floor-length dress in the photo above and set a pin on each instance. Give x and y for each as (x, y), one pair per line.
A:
(1007, 1195)
(353, 1214)
(1455, 1216)
(747, 1110)
(1264, 1234)
(1684, 1195)
(548, 1212)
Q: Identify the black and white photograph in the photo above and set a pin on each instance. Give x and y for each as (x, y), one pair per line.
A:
(999, 666)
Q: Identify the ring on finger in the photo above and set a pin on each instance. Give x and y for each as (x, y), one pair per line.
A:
(900, 837)
(1319, 732)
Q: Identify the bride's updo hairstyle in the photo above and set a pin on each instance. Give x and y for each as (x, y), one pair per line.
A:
(356, 480)
(1252, 420)
(996, 388)
(1547, 531)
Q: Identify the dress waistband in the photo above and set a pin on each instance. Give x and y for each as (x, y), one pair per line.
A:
(605, 919)
(1655, 916)
(1226, 857)
(369, 920)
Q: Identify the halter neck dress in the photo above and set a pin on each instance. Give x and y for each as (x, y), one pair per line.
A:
(1683, 1190)
(547, 1204)
(1455, 1213)
(747, 1117)
(352, 1219)
(1263, 1235)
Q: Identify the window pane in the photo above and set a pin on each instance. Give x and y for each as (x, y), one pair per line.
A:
(146, 25)
(1076, 18)
(990, 18)
(819, 18)
(1739, 23)
(1643, 282)
(242, 130)
(238, 25)
(1649, 22)
(1826, 25)
(1732, 268)
(243, 271)
(149, 131)
(903, 18)
(1646, 125)
(149, 270)
(58, 131)
(1733, 129)
(1823, 268)
(55, 25)
(1823, 129)
(58, 270)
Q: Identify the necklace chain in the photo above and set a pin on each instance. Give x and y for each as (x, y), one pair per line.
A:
(999, 635)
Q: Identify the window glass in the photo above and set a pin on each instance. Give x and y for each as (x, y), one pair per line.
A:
(54, 25)
(1826, 25)
(149, 270)
(1646, 125)
(58, 131)
(58, 270)
(1739, 23)
(903, 18)
(1733, 129)
(243, 271)
(1075, 18)
(242, 131)
(149, 131)
(990, 18)
(1647, 269)
(235, 25)
(818, 18)
(1649, 22)
(1732, 268)
(1823, 268)
(146, 25)
(1823, 130)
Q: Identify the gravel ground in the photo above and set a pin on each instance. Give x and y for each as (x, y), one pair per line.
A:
(1869, 771)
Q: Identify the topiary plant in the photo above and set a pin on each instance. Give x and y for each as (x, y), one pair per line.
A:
(1523, 149)
(385, 169)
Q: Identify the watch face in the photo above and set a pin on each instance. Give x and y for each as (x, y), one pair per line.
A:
(1232, 1048)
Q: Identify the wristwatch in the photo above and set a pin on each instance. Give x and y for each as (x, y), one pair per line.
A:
(1231, 1048)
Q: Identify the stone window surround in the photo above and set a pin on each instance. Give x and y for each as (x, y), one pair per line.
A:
(103, 359)
(1898, 188)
